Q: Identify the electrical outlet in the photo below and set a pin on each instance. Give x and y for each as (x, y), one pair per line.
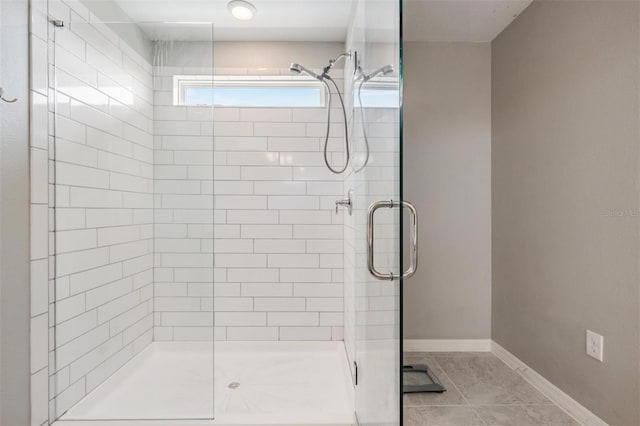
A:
(595, 345)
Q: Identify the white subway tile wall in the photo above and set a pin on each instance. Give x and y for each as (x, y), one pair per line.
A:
(39, 176)
(102, 166)
(349, 244)
(127, 254)
(273, 232)
(371, 306)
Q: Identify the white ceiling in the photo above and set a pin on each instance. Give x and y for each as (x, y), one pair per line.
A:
(281, 20)
(324, 20)
(459, 20)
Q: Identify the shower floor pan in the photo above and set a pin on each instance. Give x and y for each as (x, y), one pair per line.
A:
(256, 383)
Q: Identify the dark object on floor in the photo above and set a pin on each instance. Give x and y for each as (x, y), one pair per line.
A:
(419, 378)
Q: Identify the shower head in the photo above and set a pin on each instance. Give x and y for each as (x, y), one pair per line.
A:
(299, 69)
(386, 70)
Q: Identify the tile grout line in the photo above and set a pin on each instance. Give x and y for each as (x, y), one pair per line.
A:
(467, 404)
(475, 406)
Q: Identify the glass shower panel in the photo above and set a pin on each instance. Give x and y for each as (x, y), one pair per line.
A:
(376, 178)
(133, 218)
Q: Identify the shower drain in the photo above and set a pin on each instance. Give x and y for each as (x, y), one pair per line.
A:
(234, 385)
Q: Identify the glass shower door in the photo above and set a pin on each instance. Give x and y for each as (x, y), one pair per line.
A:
(377, 223)
(132, 158)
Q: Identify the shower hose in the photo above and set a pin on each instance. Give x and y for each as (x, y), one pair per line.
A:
(346, 131)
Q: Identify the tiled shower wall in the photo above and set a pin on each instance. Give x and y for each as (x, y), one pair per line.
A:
(102, 274)
(277, 239)
(278, 242)
(40, 250)
(372, 314)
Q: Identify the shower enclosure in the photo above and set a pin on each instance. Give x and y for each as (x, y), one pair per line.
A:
(201, 267)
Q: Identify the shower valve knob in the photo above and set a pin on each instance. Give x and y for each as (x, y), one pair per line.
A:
(346, 202)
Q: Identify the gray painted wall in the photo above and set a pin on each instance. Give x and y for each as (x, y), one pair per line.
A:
(565, 154)
(14, 215)
(447, 175)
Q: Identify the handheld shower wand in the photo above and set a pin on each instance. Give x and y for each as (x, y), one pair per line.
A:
(363, 78)
(299, 69)
(325, 78)
(385, 70)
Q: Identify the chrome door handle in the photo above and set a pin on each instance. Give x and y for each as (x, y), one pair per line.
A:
(413, 267)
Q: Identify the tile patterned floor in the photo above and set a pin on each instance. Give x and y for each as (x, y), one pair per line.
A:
(481, 390)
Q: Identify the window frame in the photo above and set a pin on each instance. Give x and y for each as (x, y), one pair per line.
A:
(183, 82)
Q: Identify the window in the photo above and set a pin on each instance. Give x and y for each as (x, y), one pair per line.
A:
(248, 91)
(383, 93)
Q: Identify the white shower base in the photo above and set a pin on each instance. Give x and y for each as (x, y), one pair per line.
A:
(280, 383)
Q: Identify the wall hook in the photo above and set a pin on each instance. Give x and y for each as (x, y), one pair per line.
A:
(5, 99)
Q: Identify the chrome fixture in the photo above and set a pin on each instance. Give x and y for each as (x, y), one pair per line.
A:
(346, 202)
(363, 78)
(337, 59)
(324, 77)
(241, 9)
(385, 70)
(413, 267)
(10, 101)
(299, 69)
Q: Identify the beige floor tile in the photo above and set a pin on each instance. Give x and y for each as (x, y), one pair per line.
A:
(420, 358)
(483, 379)
(524, 415)
(441, 416)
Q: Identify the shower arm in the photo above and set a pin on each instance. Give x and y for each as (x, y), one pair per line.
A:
(334, 61)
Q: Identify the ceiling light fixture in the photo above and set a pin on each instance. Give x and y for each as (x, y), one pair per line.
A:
(241, 9)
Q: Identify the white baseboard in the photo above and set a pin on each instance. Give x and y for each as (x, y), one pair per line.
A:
(447, 345)
(572, 407)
